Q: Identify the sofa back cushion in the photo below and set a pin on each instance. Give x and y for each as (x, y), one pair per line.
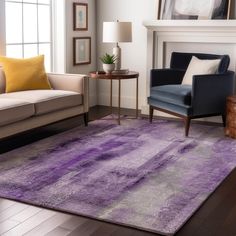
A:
(181, 60)
(2, 81)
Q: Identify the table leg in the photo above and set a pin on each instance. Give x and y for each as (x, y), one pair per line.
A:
(119, 102)
(111, 95)
(136, 98)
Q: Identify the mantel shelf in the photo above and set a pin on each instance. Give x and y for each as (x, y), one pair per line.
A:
(191, 25)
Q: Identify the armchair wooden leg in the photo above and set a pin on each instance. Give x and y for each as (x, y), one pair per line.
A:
(150, 114)
(86, 119)
(224, 120)
(187, 121)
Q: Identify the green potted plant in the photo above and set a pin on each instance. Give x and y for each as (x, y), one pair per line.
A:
(108, 62)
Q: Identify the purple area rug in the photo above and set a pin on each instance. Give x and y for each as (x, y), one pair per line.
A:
(138, 174)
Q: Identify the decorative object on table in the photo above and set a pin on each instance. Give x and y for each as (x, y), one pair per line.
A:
(117, 32)
(119, 77)
(133, 174)
(80, 16)
(205, 97)
(108, 62)
(192, 9)
(82, 50)
(121, 71)
(231, 117)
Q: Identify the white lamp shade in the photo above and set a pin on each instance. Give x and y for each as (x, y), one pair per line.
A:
(115, 32)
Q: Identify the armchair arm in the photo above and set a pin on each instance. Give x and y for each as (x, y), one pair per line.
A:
(209, 92)
(166, 76)
(71, 82)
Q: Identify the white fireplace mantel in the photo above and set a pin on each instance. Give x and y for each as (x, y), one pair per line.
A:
(186, 31)
(161, 32)
(190, 25)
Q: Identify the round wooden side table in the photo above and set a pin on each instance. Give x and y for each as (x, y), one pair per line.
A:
(231, 117)
(115, 76)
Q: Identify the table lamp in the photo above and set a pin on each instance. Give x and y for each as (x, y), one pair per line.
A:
(117, 32)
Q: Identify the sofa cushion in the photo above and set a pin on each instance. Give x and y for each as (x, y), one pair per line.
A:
(174, 94)
(200, 67)
(13, 110)
(46, 101)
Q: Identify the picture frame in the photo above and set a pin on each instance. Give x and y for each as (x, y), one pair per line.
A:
(82, 50)
(159, 4)
(80, 16)
(194, 10)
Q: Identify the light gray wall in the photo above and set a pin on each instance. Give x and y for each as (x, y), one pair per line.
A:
(133, 54)
(2, 28)
(59, 37)
(70, 33)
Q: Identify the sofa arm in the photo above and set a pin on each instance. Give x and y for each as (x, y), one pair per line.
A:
(209, 92)
(71, 82)
(166, 76)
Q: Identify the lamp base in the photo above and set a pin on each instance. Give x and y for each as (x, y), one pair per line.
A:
(117, 53)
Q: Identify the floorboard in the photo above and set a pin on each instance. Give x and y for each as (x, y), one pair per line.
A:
(8, 225)
(73, 223)
(5, 204)
(30, 223)
(58, 232)
(48, 225)
(86, 229)
(11, 211)
(26, 214)
(216, 217)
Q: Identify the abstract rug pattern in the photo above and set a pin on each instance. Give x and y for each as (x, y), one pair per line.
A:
(143, 175)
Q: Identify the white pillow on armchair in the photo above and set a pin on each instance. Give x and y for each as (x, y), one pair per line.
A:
(200, 67)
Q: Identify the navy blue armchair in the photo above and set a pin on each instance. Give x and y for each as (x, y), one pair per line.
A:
(205, 97)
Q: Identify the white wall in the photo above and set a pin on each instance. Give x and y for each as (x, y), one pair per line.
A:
(2, 27)
(133, 54)
(59, 36)
(70, 33)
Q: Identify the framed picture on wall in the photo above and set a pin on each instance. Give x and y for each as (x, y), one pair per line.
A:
(82, 50)
(192, 9)
(80, 16)
(159, 5)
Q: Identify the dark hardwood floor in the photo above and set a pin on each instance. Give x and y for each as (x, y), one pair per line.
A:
(216, 217)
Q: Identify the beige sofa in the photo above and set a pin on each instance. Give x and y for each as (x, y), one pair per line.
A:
(26, 110)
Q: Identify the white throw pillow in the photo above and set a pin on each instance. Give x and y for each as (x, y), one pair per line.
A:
(200, 67)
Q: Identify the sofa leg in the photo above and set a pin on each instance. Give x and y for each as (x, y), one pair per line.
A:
(86, 119)
(187, 121)
(224, 120)
(150, 114)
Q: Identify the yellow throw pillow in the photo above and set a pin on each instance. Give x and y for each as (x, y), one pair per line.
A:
(25, 74)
